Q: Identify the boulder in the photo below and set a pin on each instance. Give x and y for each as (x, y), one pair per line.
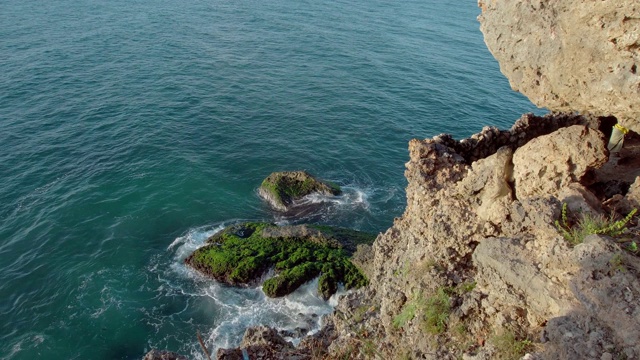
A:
(569, 55)
(551, 162)
(282, 189)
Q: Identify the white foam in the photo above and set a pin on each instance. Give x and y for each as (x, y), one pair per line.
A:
(250, 307)
(351, 197)
(233, 308)
(193, 239)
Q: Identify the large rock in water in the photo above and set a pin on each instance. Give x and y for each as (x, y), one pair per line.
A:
(240, 254)
(569, 55)
(281, 189)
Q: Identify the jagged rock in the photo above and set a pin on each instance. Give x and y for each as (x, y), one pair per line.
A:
(163, 355)
(363, 259)
(260, 342)
(488, 183)
(463, 224)
(569, 55)
(579, 199)
(282, 189)
(483, 234)
(548, 163)
(632, 198)
(263, 335)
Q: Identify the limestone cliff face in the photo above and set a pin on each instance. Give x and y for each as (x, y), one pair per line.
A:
(490, 222)
(569, 55)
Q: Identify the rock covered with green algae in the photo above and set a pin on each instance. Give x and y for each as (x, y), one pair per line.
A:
(240, 254)
(281, 189)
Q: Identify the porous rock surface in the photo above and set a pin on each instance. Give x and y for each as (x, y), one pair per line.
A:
(569, 55)
(550, 163)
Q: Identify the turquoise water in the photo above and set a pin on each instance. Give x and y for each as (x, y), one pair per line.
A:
(131, 130)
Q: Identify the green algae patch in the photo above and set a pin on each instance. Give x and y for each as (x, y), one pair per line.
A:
(281, 189)
(241, 254)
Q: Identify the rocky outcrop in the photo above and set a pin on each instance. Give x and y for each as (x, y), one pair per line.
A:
(476, 269)
(259, 342)
(569, 55)
(490, 222)
(282, 189)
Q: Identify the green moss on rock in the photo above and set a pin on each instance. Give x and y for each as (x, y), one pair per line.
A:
(242, 253)
(281, 189)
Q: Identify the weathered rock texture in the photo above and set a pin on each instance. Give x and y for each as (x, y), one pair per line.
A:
(550, 163)
(569, 55)
(491, 222)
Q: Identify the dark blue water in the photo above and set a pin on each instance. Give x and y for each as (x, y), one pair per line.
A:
(130, 130)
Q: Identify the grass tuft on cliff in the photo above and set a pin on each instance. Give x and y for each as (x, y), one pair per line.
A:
(509, 346)
(432, 311)
(240, 254)
(589, 224)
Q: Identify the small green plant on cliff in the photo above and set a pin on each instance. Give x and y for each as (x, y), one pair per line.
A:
(432, 312)
(408, 312)
(436, 311)
(617, 263)
(466, 287)
(633, 247)
(509, 346)
(590, 224)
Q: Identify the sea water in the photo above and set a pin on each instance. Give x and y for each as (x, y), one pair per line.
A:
(132, 130)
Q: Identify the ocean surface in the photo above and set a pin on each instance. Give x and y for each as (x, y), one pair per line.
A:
(132, 130)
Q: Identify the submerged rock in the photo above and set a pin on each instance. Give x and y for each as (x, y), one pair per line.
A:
(282, 189)
(240, 254)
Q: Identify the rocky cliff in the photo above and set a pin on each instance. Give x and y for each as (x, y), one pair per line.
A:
(476, 267)
(480, 238)
(569, 55)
